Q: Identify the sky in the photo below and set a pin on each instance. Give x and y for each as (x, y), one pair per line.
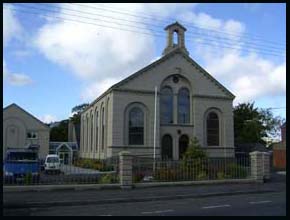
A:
(57, 56)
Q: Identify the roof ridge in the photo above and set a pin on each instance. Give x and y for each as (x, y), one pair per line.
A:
(26, 112)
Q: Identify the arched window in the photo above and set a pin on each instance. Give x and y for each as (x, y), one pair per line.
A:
(183, 144)
(166, 105)
(87, 133)
(136, 126)
(83, 134)
(212, 127)
(103, 127)
(92, 131)
(183, 106)
(166, 151)
(175, 38)
(97, 129)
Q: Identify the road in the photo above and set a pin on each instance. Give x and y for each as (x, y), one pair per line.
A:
(244, 205)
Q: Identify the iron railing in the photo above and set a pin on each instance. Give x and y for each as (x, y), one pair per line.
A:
(145, 169)
(78, 171)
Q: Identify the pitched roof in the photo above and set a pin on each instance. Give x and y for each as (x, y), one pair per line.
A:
(176, 23)
(17, 106)
(152, 65)
(187, 57)
(54, 144)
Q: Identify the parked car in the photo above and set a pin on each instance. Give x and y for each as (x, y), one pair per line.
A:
(21, 165)
(52, 164)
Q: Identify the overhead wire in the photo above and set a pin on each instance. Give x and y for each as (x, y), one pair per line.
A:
(157, 18)
(148, 33)
(210, 37)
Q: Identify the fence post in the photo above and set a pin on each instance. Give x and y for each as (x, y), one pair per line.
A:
(257, 166)
(266, 165)
(125, 170)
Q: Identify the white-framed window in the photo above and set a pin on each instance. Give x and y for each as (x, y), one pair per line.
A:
(212, 125)
(183, 106)
(136, 126)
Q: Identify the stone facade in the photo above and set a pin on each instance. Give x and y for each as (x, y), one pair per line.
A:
(21, 129)
(125, 167)
(104, 124)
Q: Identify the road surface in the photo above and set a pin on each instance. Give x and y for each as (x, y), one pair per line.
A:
(265, 204)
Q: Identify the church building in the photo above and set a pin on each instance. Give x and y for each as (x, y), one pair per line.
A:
(162, 106)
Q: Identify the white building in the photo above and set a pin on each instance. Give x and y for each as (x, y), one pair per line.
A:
(21, 129)
(190, 102)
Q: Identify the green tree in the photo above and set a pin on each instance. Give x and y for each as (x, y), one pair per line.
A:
(76, 111)
(59, 132)
(253, 125)
(194, 151)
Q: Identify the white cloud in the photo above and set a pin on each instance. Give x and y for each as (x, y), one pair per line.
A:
(93, 52)
(93, 90)
(11, 26)
(17, 79)
(99, 55)
(250, 76)
(48, 118)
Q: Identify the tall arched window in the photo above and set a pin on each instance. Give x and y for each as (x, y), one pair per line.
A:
(92, 130)
(103, 127)
(183, 106)
(166, 150)
(166, 105)
(212, 128)
(136, 126)
(175, 38)
(87, 133)
(97, 130)
(83, 134)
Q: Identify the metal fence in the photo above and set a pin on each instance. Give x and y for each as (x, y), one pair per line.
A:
(145, 169)
(79, 171)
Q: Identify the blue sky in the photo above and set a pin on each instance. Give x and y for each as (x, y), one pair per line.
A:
(50, 65)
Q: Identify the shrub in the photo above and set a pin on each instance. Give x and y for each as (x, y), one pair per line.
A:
(105, 167)
(236, 171)
(220, 175)
(93, 164)
(202, 176)
(108, 178)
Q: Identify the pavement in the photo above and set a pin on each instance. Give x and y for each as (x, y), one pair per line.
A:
(13, 200)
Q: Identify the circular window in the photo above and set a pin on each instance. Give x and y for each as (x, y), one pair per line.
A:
(175, 79)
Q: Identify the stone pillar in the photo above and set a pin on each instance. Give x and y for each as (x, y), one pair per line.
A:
(266, 165)
(125, 167)
(169, 39)
(181, 39)
(257, 166)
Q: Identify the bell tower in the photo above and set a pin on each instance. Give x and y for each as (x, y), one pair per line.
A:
(171, 30)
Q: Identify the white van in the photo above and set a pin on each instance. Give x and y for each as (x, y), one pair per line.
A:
(52, 163)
